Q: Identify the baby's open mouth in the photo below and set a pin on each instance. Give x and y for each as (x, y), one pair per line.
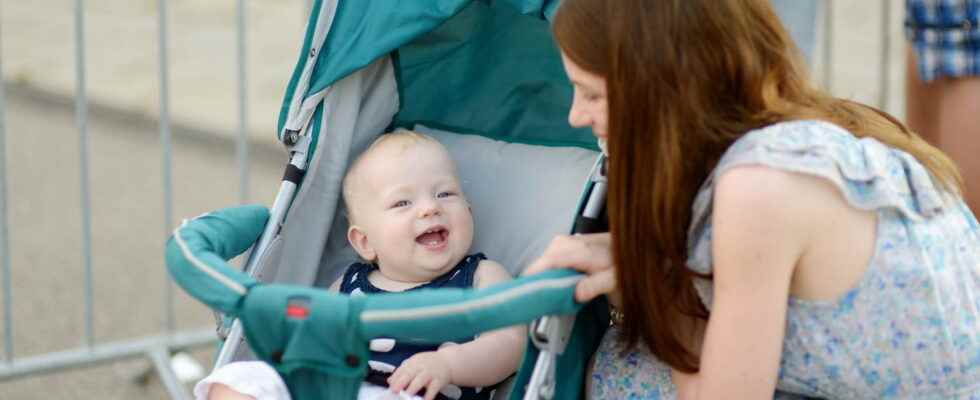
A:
(433, 238)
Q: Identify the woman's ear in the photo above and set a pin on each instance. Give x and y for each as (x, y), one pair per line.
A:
(359, 241)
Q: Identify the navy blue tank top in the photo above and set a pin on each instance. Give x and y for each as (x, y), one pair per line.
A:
(386, 353)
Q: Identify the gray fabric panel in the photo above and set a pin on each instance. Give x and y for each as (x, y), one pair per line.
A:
(522, 196)
(357, 109)
(270, 260)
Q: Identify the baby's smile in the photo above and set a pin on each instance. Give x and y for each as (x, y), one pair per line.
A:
(434, 239)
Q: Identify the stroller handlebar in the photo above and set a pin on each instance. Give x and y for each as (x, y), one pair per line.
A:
(279, 320)
(462, 313)
(197, 253)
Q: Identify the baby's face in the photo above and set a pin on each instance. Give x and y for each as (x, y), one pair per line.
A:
(412, 212)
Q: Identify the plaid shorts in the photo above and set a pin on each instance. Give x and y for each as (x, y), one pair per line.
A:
(945, 35)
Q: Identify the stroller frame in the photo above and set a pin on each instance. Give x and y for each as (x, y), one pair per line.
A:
(316, 91)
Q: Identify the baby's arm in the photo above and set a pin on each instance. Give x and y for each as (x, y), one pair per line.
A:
(498, 352)
(484, 361)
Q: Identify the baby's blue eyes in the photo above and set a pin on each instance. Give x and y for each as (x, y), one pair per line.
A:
(440, 195)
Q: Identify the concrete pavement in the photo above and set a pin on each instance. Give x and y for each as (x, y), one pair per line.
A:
(128, 234)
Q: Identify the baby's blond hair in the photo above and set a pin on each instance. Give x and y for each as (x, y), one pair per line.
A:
(402, 137)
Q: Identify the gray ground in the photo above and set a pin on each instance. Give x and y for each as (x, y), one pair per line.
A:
(42, 165)
(128, 232)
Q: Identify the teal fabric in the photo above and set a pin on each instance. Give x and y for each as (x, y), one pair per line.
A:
(480, 314)
(362, 31)
(542, 9)
(298, 69)
(326, 351)
(483, 67)
(491, 71)
(212, 239)
(323, 352)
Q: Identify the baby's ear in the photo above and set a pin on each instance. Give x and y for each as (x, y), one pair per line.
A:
(359, 241)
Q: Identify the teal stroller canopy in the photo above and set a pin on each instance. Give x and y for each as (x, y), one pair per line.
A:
(488, 67)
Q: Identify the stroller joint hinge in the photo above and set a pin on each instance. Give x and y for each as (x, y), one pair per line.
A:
(290, 137)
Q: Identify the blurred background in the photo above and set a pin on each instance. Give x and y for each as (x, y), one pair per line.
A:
(101, 159)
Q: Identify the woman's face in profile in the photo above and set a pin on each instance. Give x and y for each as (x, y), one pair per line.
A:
(589, 105)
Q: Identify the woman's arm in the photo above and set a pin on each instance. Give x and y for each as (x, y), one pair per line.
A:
(762, 223)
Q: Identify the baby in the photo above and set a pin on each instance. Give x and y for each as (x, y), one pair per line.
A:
(412, 224)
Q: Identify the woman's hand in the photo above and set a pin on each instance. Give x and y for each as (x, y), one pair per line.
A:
(589, 254)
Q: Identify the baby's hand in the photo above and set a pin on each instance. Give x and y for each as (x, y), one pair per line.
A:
(429, 370)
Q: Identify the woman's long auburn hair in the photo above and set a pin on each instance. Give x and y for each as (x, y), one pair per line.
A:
(684, 80)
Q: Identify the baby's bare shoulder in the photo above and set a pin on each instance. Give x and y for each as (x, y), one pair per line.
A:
(335, 286)
(489, 272)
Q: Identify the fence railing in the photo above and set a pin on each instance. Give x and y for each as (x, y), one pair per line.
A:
(158, 348)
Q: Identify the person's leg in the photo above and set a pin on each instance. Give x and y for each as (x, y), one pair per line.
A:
(959, 131)
(945, 107)
(921, 102)
(946, 112)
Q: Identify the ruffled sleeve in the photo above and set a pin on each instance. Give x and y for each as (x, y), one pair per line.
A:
(870, 175)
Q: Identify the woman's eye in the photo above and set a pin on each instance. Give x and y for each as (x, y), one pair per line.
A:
(592, 97)
(443, 195)
(400, 203)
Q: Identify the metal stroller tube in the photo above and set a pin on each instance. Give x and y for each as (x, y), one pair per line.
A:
(290, 181)
(287, 190)
(550, 334)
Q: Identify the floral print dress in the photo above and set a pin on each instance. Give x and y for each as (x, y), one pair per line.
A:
(910, 328)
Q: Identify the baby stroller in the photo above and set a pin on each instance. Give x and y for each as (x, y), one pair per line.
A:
(485, 79)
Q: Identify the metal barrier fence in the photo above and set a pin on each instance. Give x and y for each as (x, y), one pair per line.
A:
(159, 348)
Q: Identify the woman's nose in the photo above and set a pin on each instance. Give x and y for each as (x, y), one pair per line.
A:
(577, 118)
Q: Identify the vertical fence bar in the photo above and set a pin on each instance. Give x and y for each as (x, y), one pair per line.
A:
(170, 318)
(886, 50)
(8, 320)
(828, 45)
(81, 122)
(242, 108)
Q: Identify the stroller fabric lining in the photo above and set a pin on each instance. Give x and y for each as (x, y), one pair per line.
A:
(521, 195)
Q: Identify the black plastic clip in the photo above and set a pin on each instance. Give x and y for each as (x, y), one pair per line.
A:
(290, 137)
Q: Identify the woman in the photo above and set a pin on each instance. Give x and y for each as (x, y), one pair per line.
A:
(764, 235)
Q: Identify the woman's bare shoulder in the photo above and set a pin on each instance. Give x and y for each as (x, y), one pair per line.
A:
(773, 192)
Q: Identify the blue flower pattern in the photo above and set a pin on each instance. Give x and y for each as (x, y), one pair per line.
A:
(911, 326)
